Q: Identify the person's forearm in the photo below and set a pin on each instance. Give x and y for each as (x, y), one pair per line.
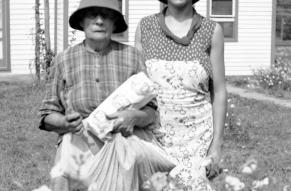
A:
(55, 122)
(219, 111)
(145, 116)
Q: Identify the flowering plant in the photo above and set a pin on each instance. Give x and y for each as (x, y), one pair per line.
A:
(275, 78)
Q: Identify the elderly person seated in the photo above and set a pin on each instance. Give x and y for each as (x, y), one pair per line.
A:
(83, 76)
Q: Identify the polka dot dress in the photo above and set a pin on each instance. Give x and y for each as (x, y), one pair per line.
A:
(181, 71)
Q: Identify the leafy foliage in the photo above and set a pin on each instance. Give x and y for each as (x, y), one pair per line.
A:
(276, 77)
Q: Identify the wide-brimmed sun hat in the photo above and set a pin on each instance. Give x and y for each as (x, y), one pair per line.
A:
(166, 1)
(78, 15)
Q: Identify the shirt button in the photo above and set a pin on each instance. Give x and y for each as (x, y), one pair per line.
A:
(97, 80)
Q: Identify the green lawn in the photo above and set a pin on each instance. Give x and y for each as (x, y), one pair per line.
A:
(26, 153)
(264, 133)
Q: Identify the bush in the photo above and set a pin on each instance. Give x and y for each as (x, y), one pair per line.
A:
(275, 78)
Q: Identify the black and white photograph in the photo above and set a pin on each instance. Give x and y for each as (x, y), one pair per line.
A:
(145, 95)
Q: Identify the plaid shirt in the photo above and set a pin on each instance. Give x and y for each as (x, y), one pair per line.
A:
(80, 80)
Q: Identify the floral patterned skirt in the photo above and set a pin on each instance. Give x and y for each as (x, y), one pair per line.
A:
(188, 135)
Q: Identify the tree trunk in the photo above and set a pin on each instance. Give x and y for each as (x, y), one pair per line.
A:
(48, 50)
(37, 40)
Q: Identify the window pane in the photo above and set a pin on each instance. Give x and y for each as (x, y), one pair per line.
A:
(286, 28)
(1, 32)
(1, 48)
(222, 7)
(278, 27)
(228, 29)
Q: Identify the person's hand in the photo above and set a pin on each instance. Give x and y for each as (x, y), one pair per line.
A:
(73, 122)
(124, 122)
(212, 164)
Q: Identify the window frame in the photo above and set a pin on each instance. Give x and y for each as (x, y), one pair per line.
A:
(280, 41)
(5, 36)
(226, 18)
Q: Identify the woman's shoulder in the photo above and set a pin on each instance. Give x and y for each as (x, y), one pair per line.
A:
(149, 19)
(208, 21)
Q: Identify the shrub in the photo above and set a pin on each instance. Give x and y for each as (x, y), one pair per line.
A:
(275, 78)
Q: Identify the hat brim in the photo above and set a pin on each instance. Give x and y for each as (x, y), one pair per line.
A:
(77, 17)
(166, 1)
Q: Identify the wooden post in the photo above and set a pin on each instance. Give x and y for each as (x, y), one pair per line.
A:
(37, 40)
(48, 51)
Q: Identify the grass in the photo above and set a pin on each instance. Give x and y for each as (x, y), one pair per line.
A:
(264, 134)
(247, 82)
(27, 154)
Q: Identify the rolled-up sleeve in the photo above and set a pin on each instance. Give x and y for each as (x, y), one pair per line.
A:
(54, 86)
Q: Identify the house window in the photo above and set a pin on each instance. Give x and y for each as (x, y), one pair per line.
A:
(123, 6)
(4, 35)
(225, 13)
(283, 23)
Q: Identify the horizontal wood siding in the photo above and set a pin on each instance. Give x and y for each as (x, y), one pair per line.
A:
(21, 35)
(251, 51)
(22, 30)
(137, 10)
(60, 25)
(254, 46)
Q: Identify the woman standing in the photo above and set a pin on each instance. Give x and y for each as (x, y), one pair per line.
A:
(82, 77)
(184, 55)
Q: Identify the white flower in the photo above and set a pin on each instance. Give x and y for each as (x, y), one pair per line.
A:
(247, 170)
(257, 184)
(42, 188)
(234, 183)
(250, 166)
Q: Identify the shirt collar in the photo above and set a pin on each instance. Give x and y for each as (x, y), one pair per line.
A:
(103, 52)
(186, 40)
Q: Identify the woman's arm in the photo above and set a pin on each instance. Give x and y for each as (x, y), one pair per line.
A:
(52, 108)
(126, 120)
(219, 92)
(137, 42)
(62, 124)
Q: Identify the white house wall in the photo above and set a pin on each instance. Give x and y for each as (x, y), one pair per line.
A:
(137, 10)
(252, 49)
(22, 28)
(254, 46)
(21, 39)
(60, 25)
